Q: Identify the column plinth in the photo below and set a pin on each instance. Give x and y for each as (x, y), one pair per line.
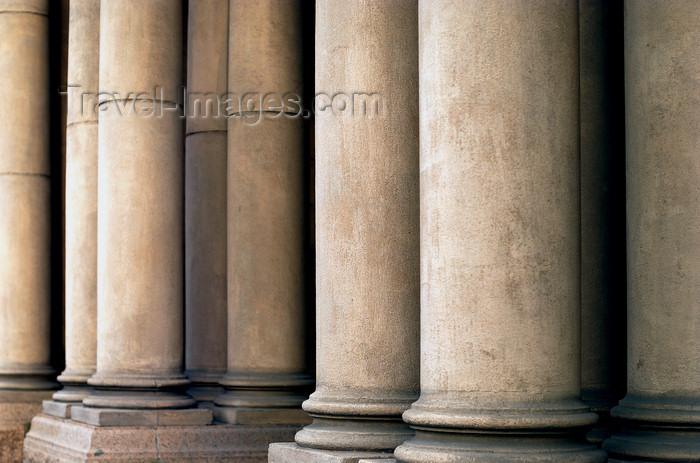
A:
(659, 415)
(500, 257)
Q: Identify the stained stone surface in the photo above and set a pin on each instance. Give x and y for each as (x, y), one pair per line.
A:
(52, 440)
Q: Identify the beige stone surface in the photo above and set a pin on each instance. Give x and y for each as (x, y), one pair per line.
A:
(266, 301)
(663, 222)
(155, 28)
(205, 201)
(24, 88)
(265, 47)
(81, 201)
(500, 251)
(52, 440)
(141, 214)
(25, 228)
(366, 229)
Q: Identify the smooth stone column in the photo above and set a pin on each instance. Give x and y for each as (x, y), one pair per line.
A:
(366, 232)
(140, 222)
(25, 229)
(26, 377)
(500, 255)
(81, 207)
(267, 372)
(603, 293)
(205, 198)
(661, 414)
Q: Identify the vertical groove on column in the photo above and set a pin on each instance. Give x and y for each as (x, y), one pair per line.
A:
(81, 201)
(366, 225)
(205, 198)
(603, 294)
(660, 414)
(500, 275)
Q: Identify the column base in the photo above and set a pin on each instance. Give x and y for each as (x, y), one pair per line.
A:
(656, 429)
(58, 409)
(289, 452)
(17, 408)
(364, 435)
(55, 440)
(153, 417)
(653, 445)
(472, 448)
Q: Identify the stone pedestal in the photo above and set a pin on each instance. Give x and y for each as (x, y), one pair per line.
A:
(500, 257)
(660, 414)
(205, 199)
(267, 376)
(52, 440)
(366, 232)
(603, 294)
(26, 378)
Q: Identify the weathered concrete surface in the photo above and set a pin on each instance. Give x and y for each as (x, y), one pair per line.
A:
(499, 235)
(663, 244)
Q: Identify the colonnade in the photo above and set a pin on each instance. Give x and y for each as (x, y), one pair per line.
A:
(470, 242)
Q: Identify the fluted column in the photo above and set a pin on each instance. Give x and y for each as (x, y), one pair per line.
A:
(499, 235)
(603, 295)
(205, 198)
(366, 228)
(267, 372)
(140, 202)
(81, 202)
(660, 414)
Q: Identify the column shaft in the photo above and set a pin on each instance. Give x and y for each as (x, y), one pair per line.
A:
(660, 414)
(81, 200)
(499, 235)
(266, 301)
(140, 202)
(366, 225)
(25, 227)
(205, 198)
(603, 295)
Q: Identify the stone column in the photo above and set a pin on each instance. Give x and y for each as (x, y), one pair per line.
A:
(81, 207)
(267, 372)
(25, 219)
(140, 222)
(603, 295)
(499, 235)
(366, 232)
(660, 414)
(205, 198)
